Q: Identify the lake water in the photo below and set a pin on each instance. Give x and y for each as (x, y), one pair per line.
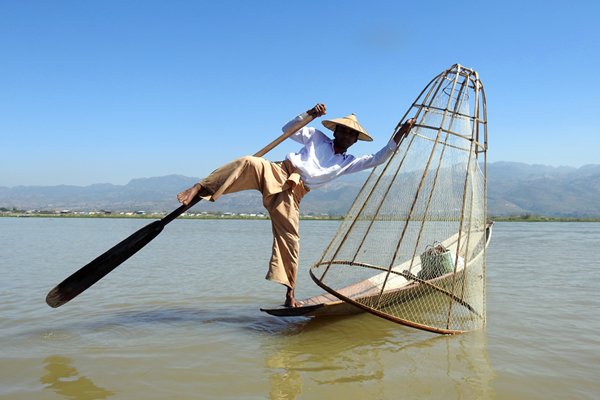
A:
(181, 320)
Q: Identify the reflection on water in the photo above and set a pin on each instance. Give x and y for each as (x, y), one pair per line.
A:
(352, 357)
(64, 379)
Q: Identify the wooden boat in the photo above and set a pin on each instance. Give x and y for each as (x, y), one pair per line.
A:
(400, 280)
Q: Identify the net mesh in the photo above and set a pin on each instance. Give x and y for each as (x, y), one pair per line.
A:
(412, 247)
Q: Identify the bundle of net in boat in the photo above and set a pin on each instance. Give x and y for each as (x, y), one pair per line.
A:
(412, 247)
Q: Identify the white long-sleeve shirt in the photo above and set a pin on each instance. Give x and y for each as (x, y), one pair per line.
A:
(317, 162)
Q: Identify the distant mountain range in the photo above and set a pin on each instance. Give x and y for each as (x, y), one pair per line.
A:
(513, 189)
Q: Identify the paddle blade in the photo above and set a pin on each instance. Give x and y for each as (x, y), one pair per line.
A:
(102, 265)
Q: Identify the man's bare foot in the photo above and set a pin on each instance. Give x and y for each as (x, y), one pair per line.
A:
(188, 195)
(290, 299)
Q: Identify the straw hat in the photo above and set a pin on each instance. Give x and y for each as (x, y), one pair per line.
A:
(351, 122)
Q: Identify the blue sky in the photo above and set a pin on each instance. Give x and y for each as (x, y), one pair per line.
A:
(107, 91)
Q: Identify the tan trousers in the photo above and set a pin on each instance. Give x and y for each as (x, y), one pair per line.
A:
(282, 191)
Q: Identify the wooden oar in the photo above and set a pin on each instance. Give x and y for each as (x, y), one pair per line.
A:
(111, 259)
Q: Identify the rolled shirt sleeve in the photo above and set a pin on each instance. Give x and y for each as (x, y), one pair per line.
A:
(303, 134)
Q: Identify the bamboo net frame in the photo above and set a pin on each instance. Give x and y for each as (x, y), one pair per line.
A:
(431, 191)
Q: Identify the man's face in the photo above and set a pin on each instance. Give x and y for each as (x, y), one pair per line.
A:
(344, 137)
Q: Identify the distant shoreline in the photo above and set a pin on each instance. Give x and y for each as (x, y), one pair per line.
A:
(527, 218)
(517, 218)
(161, 215)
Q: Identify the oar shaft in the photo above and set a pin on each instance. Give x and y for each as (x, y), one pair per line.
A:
(291, 130)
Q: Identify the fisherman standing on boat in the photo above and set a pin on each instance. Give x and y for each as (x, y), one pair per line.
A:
(283, 184)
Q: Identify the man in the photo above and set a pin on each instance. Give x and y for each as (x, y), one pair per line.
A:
(283, 184)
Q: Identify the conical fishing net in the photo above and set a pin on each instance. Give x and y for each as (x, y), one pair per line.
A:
(412, 247)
